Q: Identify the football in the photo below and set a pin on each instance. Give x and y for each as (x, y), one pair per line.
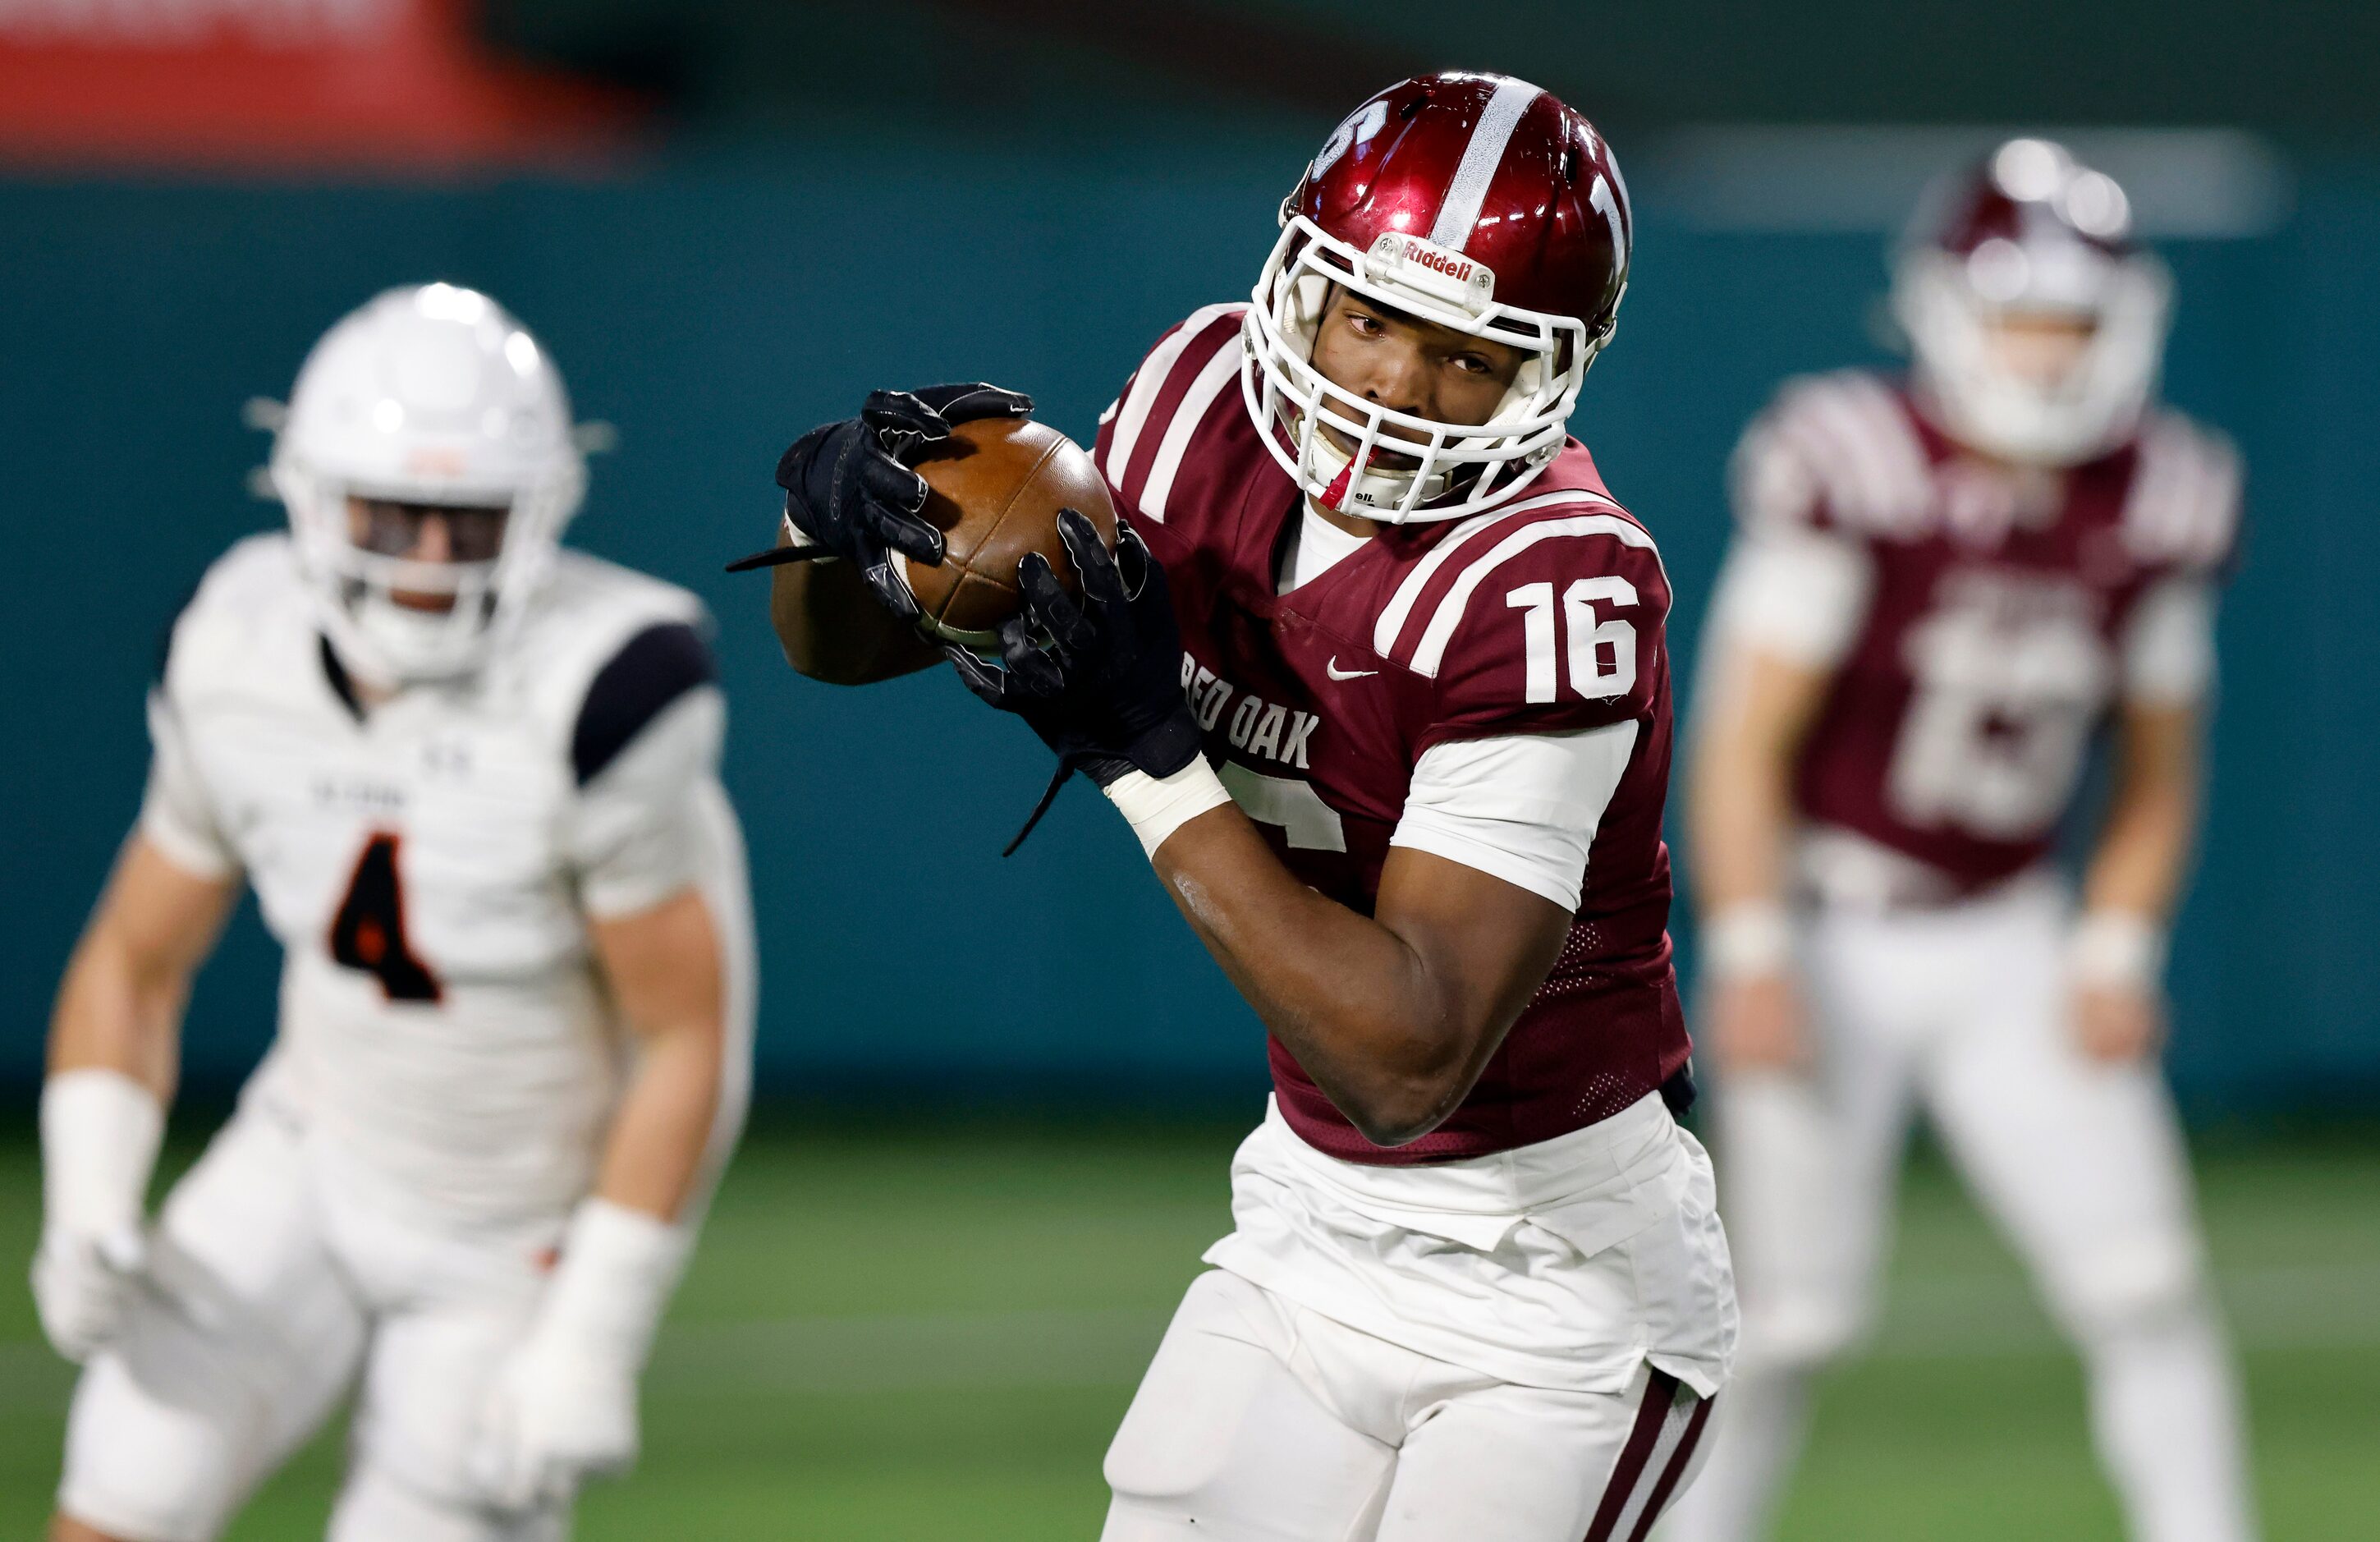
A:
(994, 488)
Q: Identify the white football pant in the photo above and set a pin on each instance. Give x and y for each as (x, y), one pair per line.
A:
(2082, 1165)
(1261, 1421)
(267, 1299)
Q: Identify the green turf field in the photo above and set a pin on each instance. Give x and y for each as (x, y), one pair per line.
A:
(931, 1336)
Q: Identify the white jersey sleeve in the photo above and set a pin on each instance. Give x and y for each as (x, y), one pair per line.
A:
(2168, 643)
(1798, 593)
(1523, 807)
(176, 815)
(635, 835)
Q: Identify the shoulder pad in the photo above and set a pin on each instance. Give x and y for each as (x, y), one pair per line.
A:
(1837, 450)
(252, 590)
(2183, 507)
(651, 669)
(586, 619)
(1566, 535)
(1144, 431)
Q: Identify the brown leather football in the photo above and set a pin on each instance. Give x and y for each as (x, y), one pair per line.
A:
(994, 488)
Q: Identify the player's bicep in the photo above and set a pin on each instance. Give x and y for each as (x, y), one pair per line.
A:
(162, 916)
(1755, 703)
(664, 964)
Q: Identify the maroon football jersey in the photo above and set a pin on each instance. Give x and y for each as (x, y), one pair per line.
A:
(1958, 723)
(1543, 617)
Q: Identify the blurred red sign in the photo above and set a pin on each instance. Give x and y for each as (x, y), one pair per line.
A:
(387, 83)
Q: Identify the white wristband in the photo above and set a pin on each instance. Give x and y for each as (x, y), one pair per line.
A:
(100, 1133)
(797, 536)
(1156, 807)
(618, 1268)
(2116, 948)
(1749, 937)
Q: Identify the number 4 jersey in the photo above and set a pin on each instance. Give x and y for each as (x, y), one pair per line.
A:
(430, 865)
(1978, 622)
(1493, 691)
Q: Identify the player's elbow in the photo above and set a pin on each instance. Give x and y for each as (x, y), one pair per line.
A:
(1399, 1110)
(814, 662)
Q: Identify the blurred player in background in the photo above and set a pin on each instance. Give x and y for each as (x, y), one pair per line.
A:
(1941, 591)
(473, 780)
(1381, 684)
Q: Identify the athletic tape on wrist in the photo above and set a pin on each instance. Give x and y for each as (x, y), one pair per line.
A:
(2118, 948)
(618, 1268)
(1156, 807)
(797, 536)
(100, 1133)
(1752, 937)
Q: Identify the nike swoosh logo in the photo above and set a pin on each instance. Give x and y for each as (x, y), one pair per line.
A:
(1332, 669)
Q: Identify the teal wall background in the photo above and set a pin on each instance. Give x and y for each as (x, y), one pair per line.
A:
(714, 309)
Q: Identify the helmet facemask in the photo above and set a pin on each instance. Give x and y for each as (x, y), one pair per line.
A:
(2035, 236)
(432, 397)
(358, 585)
(1458, 468)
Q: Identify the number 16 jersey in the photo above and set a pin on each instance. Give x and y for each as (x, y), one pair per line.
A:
(1542, 618)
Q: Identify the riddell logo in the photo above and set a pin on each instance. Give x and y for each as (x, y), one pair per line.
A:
(1451, 266)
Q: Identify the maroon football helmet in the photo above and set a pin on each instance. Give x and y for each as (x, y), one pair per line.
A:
(1475, 201)
(2031, 231)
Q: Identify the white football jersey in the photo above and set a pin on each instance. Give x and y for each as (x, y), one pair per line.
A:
(430, 865)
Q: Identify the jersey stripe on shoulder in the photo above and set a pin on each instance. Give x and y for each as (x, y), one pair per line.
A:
(1220, 371)
(1392, 622)
(2185, 502)
(1139, 400)
(1859, 448)
(651, 669)
(1597, 518)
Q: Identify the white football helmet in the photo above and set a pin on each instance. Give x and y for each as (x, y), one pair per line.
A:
(2032, 231)
(434, 394)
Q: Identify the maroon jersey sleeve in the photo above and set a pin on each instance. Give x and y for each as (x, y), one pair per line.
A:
(1836, 453)
(1552, 626)
(2181, 513)
(1138, 449)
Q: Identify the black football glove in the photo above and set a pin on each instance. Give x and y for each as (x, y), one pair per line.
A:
(1101, 679)
(850, 486)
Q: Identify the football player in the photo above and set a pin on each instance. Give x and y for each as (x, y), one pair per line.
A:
(472, 778)
(1377, 673)
(1941, 589)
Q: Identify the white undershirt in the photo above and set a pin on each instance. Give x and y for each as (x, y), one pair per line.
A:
(1315, 548)
(1522, 808)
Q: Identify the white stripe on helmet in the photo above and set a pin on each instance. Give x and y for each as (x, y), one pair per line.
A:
(1468, 189)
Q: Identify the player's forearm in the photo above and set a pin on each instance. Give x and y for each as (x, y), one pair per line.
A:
(661, 1137)
(832, 629)
(119, 1007)
(1740, 798)
(1361, 1010)
(115, 1014)
(668, 981)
